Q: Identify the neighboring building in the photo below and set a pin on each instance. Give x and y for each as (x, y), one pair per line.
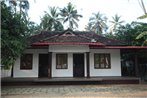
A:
(70, 54)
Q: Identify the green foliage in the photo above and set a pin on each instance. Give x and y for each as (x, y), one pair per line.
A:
(14, 32)
(143, 16)
(110, 35)
(143, 35)
(51, 20)
(23, 5)
(129, 32)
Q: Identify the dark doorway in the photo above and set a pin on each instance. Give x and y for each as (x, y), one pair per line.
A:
(78, 65)
(134, 63)
(43, 65)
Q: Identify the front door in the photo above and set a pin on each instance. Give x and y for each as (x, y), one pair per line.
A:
(78, 65)
(43, 65)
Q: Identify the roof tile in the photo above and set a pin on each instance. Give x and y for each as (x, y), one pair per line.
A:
(80, 36)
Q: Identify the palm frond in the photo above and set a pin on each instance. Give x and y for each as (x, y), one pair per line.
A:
(143, 16)
(65, 20)
(70, 14)
(70, 24)
(141, 35)
(74, 22)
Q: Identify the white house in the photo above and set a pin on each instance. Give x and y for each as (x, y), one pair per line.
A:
(69, 54)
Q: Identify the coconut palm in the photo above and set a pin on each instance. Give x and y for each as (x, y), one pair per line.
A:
(115, 23)
(98, 23)
(142, 5)
(143, 34)
(88, 27)
(22, 4)
(70, 15)
(51, 20)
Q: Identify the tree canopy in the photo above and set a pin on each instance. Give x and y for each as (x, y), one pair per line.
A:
(14, 32)
(129, 32)
(51, 20)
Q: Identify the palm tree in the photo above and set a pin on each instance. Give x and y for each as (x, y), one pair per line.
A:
(88, 27)
(143, 32)
(141, 35)
(142, 5)
(22, 4)
(51, 20)
(115, 23)
(70, 15)
(98, 23)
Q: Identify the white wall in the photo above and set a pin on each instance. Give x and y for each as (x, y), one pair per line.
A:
(69, 48)
(34, 71)
(115, 63)
(5, 73)
(65, 72)
(62, 72)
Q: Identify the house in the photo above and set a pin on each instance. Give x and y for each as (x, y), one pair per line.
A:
(70, 54)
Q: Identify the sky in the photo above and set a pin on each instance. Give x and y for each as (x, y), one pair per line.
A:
(129, 10)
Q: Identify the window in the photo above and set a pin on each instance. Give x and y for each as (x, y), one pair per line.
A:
(102, 61)
(26, 61)
(61, 61)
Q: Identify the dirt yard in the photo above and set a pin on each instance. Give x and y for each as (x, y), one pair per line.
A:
(75, 91)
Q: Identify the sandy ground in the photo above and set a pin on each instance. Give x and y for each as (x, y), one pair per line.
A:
(75, 91)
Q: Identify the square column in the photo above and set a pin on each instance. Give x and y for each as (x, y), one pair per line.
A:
(50, 65)
(87, 64)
